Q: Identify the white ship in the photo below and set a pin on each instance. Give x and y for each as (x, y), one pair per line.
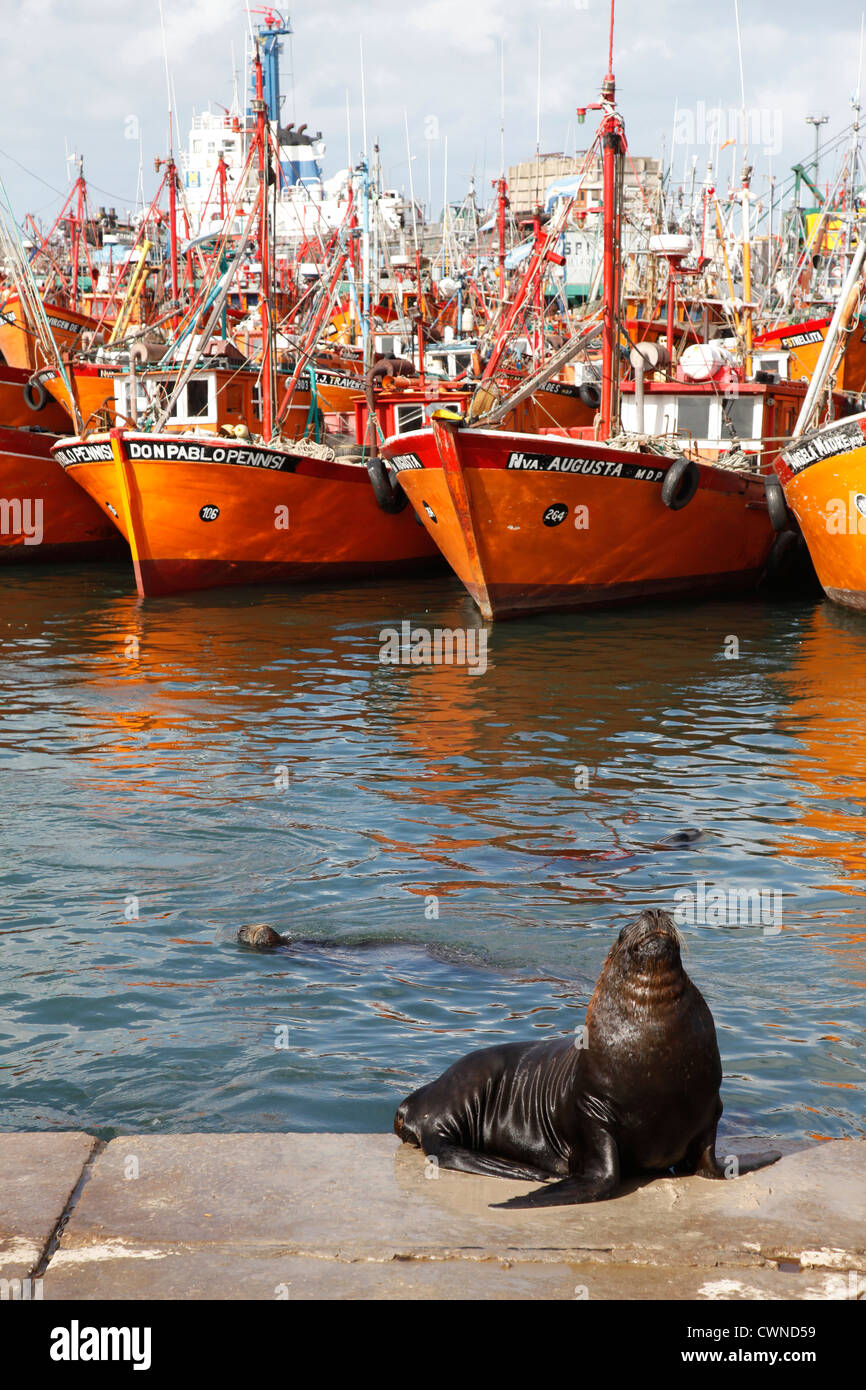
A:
(308, 206)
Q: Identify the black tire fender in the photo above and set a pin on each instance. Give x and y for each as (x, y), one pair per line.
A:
(781, 558)
(680, 484)
(389, 495)
(777, 507)
(590, 394)
(35, 394)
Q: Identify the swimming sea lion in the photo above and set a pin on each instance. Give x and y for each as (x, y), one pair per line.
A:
(261, 936)
(637, 1092)
(679, 839)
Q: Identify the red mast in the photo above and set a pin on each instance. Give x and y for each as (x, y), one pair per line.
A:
(76, 230)
(538, 293)
(221, 176)
(260, 108)
(171, 178)
(172, 232)
(502, 203)
(613, 145)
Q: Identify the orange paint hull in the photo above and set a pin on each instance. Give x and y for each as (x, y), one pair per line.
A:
(43, 515)
(94, 387)
(804, 342)
(337, 391)
(535, 523)
(824, 477)
(557, 404)
(204, 512)
(15, 413)
(20, 347)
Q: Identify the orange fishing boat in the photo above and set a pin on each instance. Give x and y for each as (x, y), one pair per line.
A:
(537, 522)
(217, 395)
(571, 519)
(204, 511)
(794, 348)
(20, 346)
(203, 503)
(823, 474)
(23, 404)
(823, 468)
(44, 516)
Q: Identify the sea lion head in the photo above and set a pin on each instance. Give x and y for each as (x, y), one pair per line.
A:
(651, 941)
(643, 976)
(260, 936)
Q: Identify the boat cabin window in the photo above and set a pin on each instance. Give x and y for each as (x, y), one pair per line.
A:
(699, 417)
(693, 418)
(772, 362)
(147, 394)
(197, 397)
(408, 417)
(738, 415)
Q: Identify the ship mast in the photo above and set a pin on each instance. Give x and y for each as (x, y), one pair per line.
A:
(260, 107)
(171, 175)
(613, 148)
(77, 229)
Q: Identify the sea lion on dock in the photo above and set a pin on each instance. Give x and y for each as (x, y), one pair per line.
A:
(636, 1092)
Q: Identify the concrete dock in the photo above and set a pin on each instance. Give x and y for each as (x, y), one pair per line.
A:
(356, 1216)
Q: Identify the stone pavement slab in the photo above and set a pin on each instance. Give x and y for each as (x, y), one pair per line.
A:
(303, 1216)
(38, 1174)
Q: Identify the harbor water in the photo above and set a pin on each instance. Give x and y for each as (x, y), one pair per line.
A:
(450, 849)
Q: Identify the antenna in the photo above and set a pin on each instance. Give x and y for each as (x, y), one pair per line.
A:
(538, 123)
(411, 180)
(363, 96)
(167, 81)
(236, 105)
(176, 118)
(742, 78)
(348, 131)
(610, 46)
(673, 145)
(502, 107)
(538, 101)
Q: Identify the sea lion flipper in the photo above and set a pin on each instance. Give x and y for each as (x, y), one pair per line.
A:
(486, 1165)
(600, 1180)
(568, 1192)
(747, 1163)
(731, 1166)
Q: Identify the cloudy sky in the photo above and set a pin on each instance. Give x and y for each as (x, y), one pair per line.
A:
(85, 75)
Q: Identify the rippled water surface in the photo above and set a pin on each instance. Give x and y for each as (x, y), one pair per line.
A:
(445, 882)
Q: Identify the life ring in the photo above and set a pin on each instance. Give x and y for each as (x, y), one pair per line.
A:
(590, 394)
(776, 504)
(389, 495)
(35, 394)
(680, 484)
